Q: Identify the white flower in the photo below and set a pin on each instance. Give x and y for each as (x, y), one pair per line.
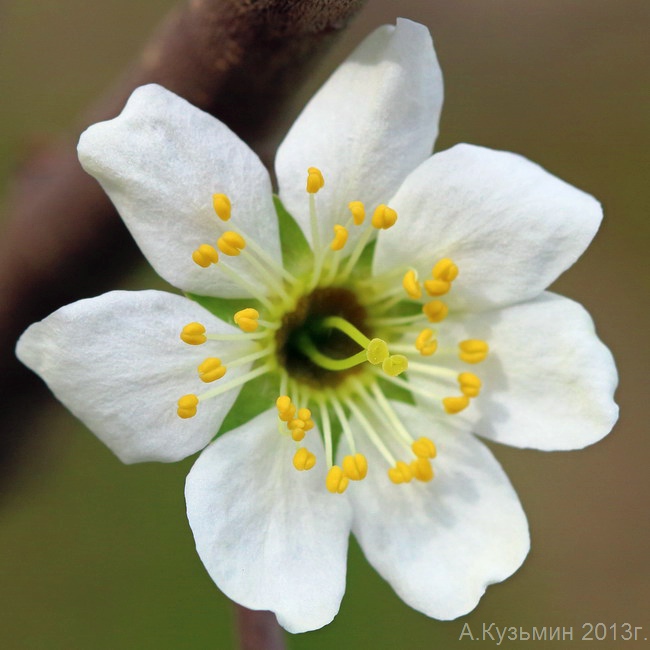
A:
(444, 278)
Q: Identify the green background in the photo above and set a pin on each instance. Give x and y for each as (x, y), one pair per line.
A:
(95, 554)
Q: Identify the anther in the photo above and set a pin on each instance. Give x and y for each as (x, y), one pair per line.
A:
(377, 351)
(411, 284)
(401, 473)
(355, 467)
(473, 350)
(246, 319)
(187, 406)
(384, 217)
(303, 459)
(358, 212)
(340, 237)
(435, 311)
(455, 405)
(424, 448)
(205, 255)
(445, 270)
(193, 334)
(425, 343)
(336, 481)
(421, 469)
(315, 180)
(437, 287)
(395, 365)
(469, 383)
(211, 370)
(286, 410)
(231, 243)
(222, 206)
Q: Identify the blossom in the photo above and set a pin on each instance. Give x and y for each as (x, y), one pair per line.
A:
(338, 347)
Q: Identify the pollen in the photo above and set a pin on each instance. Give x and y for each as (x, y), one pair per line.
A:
(315, 180)
(425, 344)
(336, 481)
(411, 285)
(383, 217)
(377, 351)
(193, 334)
(246, 319)
(355, 467)
(231, 243)
(401, 473)
(211, 370)
(395, 365)
(424, 448)
(303, 459)
(358, 212)
(469, 383)
(205, 255)
(187, 406)
(340, 237)
(445, 270)
(455, 405)
(473, 350)
(422, 470)
(435, 311)
(222, 206)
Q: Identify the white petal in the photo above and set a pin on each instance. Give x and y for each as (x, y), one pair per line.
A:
(548, 382)
(439, 544)
(160, 162)
(117, 362)
(372, 122)
(270, 537)
(510, 226)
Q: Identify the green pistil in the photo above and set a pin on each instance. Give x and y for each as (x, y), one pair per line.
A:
(307, 347)
(338, 323)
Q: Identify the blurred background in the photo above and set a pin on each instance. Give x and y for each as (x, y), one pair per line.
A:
(95, 554)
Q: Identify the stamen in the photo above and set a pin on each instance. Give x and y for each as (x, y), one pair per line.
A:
(315, 180)
(194, 334)
(383, 217)
(231, 243)
(473, 350)
(211, 370)
(187, 406)
(340, 237)
(222, 206)
(425, 343)
(372, 434)
(411, 284)
(445, 270)
(355, 467)
(247, 319)
(421, 469)
(455, 405)
(424, 448)
(286, 409)
(435, 311)
(343, 420)
(470, 384)
(205, 255)
(400, 473)
(327, 433)
(303, 459)
(238, 381)
(336, 481)
(437, 287)
(358, 212)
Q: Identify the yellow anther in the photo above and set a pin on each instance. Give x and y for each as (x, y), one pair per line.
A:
(246, 319)
(231, 243)
(355, 467)
(424, 448)
(401, 473)
(304, 414)
(296, 423)
(455, 404)
(358, 212)
(384, 217)
(205, 255)
(445, 270)
(297, 434)
(336, 481)
(187, 406)
(435, 311)
(309, 424)
(395, 365)
(469, 383)
(221, 204)
(473, 350)
(286, 410)
(287, 415)
(437, 287)
(421, 469)
(377, 351)
(411, 284)
(194, 334)
(315, 180)
(211, 370)
(425, 343)
(340, 237)
(303, 459)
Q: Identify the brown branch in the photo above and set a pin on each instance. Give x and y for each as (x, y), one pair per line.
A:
(258, 630)
(241, 60)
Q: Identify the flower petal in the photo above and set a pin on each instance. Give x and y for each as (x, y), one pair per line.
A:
(270, 537)
(510, 226)
(117, 362)
(372, 122)
(160, 162)
(548, 381)
(439, 544)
